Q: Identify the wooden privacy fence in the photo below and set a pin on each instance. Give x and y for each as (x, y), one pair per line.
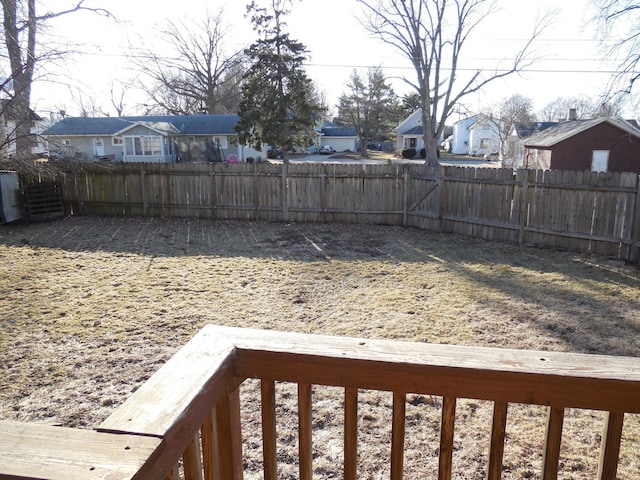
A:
(580, 211)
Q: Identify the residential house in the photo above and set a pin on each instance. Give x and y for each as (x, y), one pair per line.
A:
(9, 122)
(484, 136)
(155, 138)
(342, 139)
(600, 145)
(461, 136)
(410, 132)
(477, 136)
(512, 156)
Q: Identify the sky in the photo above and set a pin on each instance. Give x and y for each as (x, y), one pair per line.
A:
(569, 62)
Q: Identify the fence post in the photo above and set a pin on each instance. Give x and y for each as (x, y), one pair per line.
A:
(405, 196)
(440, 176)
(145, 201)
(523, 205)
(635, 229)
(285, 196)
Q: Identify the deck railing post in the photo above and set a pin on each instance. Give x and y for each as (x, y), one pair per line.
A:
(610, 447)
(351, 434)
(553, 440)
(445, 466)
(397, 435)
(268, 392)
(305, 430)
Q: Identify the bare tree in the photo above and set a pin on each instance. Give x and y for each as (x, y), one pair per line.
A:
(581, 107)
(21, 24)
(619, 29)
(118, 91)
(432, 35)
(510, 113)
(199, 73)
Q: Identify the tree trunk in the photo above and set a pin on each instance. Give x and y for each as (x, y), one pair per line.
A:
(22, 64)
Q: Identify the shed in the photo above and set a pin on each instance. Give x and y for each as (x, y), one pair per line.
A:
(601, 145)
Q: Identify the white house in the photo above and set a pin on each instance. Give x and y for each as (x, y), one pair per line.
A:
(484, 136)
(9, 124)
(410, 132)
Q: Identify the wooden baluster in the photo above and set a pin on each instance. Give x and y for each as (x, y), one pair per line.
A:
(610, 446)
(498, 433)
(192, 460)
(351, 433)
(229, 437)
(445, 466)
(268, 391)
(174, 474)
(305, 431)
(210, 453)
(397, 435)
(553, 440)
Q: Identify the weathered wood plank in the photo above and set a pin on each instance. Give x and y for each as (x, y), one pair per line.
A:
(610, 449)
(397, 435)
(540, 378)
(29, 451)
(305, 431)
(269, 452)
(351, 434)
(447, 426)
(175, 401)
(192, 460)
(210, 448)
(553, 441)
(498, 434)
(229, 437)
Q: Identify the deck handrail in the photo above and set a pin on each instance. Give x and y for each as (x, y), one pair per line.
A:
(191, 406)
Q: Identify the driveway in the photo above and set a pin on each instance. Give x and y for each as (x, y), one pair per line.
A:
(339, 158)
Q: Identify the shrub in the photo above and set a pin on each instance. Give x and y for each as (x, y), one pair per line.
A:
(423, 153)
(408, 153)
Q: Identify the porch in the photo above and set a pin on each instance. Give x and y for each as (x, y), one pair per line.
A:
(186, 422)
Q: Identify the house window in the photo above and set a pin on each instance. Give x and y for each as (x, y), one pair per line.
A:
(600, 161)
(485, 143)
(66, 142)
(221, 142)
(116, 141)
(143, 146)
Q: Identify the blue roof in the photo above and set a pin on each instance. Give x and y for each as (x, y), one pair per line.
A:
(414, 131)
(176, 124)
(339, 132)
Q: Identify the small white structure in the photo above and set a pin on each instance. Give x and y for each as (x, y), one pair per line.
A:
(484, 136)
(410, 132)
(342, 139)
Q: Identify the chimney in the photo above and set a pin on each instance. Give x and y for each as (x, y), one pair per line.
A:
(573, 115)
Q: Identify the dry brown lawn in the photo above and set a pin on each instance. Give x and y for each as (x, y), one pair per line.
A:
(91, 307)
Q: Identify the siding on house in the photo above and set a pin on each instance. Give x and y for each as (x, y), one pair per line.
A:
(571, 145)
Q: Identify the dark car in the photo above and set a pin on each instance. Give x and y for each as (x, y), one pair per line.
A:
(327, 150)
(271, 153)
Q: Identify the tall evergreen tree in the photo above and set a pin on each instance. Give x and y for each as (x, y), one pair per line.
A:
(368, 106)
(277, 106)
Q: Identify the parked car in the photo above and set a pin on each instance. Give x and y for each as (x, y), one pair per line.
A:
(327, 150)
(271, 153)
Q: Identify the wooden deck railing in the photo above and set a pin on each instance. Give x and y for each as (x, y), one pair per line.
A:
(185, 421)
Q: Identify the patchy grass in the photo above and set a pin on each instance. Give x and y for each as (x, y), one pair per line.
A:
(91, 307)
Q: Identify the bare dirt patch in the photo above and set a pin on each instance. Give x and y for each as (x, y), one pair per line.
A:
(91, 307)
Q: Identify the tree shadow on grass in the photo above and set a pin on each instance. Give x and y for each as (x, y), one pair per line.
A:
(584, 302)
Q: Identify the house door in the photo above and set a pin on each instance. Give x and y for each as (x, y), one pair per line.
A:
(600, 161)
(98, 147)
